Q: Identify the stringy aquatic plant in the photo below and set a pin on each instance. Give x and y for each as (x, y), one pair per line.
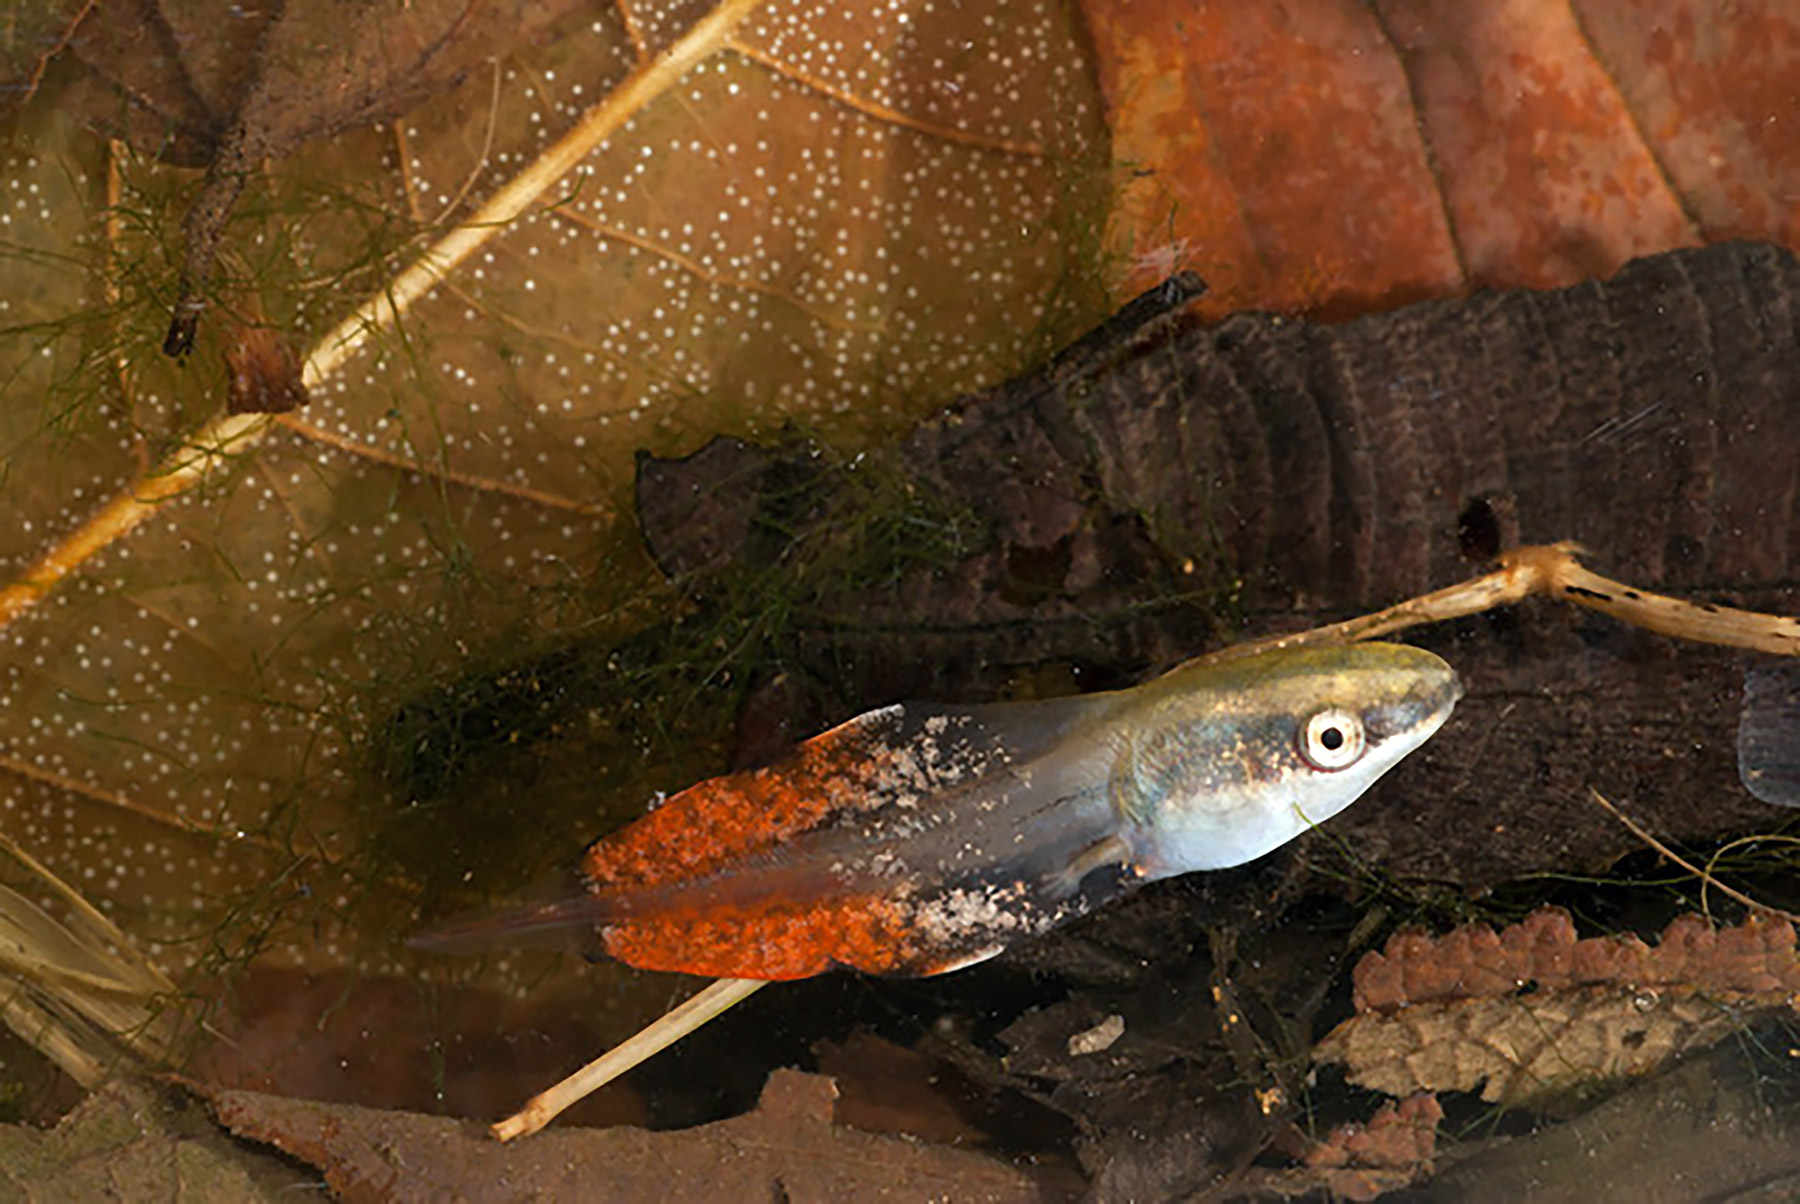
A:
(501, 771)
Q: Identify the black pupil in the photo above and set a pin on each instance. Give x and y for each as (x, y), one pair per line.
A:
(1332, 739)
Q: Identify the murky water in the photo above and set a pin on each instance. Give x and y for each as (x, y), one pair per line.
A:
(405, 652)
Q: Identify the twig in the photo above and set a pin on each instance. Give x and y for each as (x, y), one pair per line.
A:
(1521, 574)
(542, 1108)
(1705, 876)
(1553, 571)
(1699, 622)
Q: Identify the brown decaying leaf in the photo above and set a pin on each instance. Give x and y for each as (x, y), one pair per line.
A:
(1532, 1049)
(1721, 1125)
(788, 1148)
(1334, 157)
(1362, 1161)
(135, 1141)
(1454, 1013)
(1755, 958)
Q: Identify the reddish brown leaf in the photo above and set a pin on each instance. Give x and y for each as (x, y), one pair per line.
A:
(1275, 154)
(1545, 176)
(1713, 90)
(1399, 1136)
(1756, 957)
(1334, 158)
(1363, 1162)
(1446, 1014)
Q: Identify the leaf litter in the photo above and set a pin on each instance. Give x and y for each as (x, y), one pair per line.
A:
(1362, 1161)
(60, 772)
(1532, 1013)
(1537, 148)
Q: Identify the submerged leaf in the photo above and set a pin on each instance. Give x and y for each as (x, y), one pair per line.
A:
(1340, 159)
(1531, 1013)
(225, 85)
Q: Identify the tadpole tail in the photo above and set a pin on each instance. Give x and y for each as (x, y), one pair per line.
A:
(563, 925)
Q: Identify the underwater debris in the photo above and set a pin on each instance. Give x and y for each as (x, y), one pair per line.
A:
(1531, 1012)
(1392, 1150)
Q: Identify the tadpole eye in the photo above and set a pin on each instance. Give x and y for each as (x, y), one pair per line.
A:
(1332, 739)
